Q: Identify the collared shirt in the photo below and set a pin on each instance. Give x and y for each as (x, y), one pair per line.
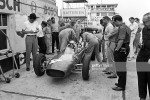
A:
(113, 38)
(54, 27)
(108, 30)
(40, 33)
(31, 27)
(134, 28)
(124, 33)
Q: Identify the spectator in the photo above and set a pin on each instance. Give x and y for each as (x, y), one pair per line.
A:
(137, 36)
(48, 37)
(143, 68)
(78, 29)
(108, 30)
(134, 29)
(55, 34)
(41, 39)
(31, 29)
(121, 52)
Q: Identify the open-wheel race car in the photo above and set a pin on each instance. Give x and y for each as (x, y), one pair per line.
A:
(63, 64)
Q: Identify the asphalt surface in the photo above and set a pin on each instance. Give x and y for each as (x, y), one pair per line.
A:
(99, 87)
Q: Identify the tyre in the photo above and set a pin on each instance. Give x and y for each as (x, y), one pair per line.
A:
(85, 67)
(38, 64)
(93, 56)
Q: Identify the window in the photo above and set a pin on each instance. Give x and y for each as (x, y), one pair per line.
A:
(103, 13)
(98, 14)
(111, 13)
(3, 27)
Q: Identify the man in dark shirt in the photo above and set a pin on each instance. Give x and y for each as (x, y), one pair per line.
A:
(143, 68)
(121, 52)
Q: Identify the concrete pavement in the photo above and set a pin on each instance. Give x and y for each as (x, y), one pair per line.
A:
(31, 87)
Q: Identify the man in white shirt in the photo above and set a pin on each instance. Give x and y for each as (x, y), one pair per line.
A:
(134, 29)
(31, 29)
(108, 30)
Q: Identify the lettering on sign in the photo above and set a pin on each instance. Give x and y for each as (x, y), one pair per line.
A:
(50, 11)
(11, 5)
(33, 7)
(73, 12)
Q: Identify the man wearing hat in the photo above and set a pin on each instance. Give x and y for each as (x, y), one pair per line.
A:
(31, 29)
(143, 68)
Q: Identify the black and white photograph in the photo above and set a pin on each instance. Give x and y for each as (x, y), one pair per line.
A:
(74, 49)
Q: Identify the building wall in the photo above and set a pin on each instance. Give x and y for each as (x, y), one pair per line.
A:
(97, 12)
(17, 13)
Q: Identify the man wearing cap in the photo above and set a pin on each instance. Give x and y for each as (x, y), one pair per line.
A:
(143, 68)
(31, 29)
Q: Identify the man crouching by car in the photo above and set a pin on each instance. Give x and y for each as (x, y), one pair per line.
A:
(65, 36)
(93, 45)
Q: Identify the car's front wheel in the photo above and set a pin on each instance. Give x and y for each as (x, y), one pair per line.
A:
(38, 64)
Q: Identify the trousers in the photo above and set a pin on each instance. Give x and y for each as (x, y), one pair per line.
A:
(143, 72)
(42, 45)
(120, 59)
(55, 38)
(132, 47)
(110, 57)
(31, 47)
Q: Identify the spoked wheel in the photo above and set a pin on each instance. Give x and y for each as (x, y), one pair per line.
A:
(86, 67)
(39, 64)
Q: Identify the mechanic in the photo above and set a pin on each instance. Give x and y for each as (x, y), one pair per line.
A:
(93, 45)
(65, 36)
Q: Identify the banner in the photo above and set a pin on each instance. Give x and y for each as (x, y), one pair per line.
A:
(74, 12)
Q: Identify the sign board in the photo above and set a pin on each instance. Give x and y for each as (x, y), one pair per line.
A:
(9, 6)
(74, 12)
(40, 7)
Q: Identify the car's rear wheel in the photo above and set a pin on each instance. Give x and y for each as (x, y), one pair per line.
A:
(39, 64)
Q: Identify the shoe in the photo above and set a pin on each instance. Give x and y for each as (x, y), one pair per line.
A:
(129, 59)
(142, 99)
(104, 71)
(27, 69)
(116, 84)
(107, 73)
(104, 60)
(112, 76)
(118, 89)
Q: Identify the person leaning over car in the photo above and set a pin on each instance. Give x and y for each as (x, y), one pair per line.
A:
(65, 36)
(93, 45)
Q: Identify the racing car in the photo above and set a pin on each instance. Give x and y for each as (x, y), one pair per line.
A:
(64, 63)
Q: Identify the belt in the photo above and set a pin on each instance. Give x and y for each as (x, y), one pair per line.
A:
(31, 35)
